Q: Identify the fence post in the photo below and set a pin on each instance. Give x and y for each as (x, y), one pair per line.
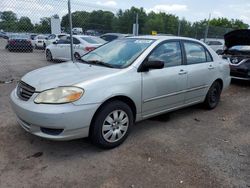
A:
(179, 28)
(70, 27)
(207, 28)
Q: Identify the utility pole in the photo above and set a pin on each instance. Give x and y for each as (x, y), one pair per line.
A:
(207, 28)
(137, 25)
(70, 27)
(179, 28)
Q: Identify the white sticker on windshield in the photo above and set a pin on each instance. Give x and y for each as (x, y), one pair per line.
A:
(143, 41)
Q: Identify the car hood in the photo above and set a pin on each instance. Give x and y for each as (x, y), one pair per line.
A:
(65, 74)
(237, 37)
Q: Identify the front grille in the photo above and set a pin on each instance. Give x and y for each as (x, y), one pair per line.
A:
(25, 91)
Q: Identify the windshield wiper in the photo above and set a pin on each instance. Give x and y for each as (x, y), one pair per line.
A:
(101, 63)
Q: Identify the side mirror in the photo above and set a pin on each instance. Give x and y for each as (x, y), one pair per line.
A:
(220, 52)
(55, 42)
(147, 65)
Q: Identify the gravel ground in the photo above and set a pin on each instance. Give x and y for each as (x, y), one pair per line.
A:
(192, 147)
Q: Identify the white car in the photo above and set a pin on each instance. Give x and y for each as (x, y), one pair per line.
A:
(53, 38)
(215, 44)
(82, 44)
(39, 41)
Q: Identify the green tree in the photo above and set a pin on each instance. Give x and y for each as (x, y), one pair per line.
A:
(126, 19)
(25, 25)
(43, 26)
(79, 19)
(8, 21)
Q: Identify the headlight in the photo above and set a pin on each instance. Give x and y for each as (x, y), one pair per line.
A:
(59, 95)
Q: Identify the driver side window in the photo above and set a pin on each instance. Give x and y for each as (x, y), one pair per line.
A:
(169, 53)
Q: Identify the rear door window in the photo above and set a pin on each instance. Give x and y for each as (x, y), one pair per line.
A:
(196, 53)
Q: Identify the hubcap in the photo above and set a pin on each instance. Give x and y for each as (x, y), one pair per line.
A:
(115, 126)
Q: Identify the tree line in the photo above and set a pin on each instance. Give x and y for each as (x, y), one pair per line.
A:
(122, 22)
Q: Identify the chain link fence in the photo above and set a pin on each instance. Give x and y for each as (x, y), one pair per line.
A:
(28, 26)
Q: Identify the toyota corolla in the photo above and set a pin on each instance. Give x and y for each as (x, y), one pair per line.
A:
(122, 82)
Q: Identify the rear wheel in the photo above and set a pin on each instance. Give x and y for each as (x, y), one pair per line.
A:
(213, 96)
(77, 56)
(111, 124)
(49, 56)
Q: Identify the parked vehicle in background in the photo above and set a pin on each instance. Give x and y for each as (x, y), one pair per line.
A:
(3, 35)
(82, 44)
(117, 84)
(113, 36)
(19, 42)
(77, 31)
(215, 44)
(39, 41)
(92, 33)
(53, 38)
(32, 36)
(237, 51)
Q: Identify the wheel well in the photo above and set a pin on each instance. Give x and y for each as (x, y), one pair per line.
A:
(124, 99)
(220, 81)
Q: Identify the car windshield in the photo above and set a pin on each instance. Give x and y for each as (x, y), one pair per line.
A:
(19, 37)
(41, 37)
(118, 53)
(240, 48)
(93, 40)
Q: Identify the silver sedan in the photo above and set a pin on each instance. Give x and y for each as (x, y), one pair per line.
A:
(122, 82)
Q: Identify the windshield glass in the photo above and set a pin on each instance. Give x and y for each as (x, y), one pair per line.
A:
(19, 37)
(119, 53)
(93, 40)
(240, 48)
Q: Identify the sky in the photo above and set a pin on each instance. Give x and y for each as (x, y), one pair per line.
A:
(191, 10)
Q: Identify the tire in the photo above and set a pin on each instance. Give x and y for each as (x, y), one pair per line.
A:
(44, 46)
(49, 56)
(77, 56)
(111, 124)
(213, 96)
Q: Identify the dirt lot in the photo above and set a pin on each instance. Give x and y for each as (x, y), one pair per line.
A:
(188, 148)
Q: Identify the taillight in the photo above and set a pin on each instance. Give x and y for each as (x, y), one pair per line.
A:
(88, 49)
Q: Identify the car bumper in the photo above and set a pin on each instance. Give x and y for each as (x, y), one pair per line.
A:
(241, 72)
(55, 122)
(40, 45)
(20, 47)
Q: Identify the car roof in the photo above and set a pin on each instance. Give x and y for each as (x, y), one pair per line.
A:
(116, 34)
(160, 37)
(79, 36)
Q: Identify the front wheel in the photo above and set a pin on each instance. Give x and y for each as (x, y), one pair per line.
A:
(213, 96)
(111, 124)
(49, 56)
(77, 56)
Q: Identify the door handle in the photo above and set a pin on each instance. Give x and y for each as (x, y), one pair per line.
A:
(182, 72)
(210, 67)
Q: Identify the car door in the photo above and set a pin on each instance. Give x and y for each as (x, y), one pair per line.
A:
(201, 71)
(77, 47)
(64, 49)
(163, 89)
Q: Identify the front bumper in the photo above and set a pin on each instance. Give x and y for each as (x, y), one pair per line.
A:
(55, 122)
(241, 72)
